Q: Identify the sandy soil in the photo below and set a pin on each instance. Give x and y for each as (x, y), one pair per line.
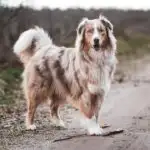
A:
(127, 107)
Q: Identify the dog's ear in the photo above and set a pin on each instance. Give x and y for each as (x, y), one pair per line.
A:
(81, 26)
(110, 40)
(80, 33)
(106, 22)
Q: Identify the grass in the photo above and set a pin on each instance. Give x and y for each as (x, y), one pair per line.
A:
(134, 46)
(9, 81)
(10, 75)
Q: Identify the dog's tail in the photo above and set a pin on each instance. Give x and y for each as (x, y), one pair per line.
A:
(30, 42)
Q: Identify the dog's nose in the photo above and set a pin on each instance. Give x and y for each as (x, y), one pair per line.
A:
(96, 41)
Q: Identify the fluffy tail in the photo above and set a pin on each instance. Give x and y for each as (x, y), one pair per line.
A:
(30, 42)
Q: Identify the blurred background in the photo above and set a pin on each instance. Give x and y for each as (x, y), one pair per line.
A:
(131, 20)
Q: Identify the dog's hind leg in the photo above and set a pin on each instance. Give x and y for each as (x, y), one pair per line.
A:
(31, 108)
(34, 95)
(54, 113)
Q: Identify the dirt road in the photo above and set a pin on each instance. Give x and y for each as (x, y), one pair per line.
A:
(127, 107)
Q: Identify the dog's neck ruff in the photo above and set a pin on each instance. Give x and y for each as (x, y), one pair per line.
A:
(93, 82)
(101, 61)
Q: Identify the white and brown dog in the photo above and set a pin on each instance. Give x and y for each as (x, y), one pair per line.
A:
(80, 76)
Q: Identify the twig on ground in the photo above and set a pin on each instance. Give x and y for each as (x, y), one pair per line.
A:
(112, 132)
(69, 137)
(107, 133)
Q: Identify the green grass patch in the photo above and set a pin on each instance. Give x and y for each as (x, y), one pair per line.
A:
(9, 83)
(10, 75)
(134, 46)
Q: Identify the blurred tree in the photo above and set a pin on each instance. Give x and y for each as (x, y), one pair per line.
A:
(62, 24)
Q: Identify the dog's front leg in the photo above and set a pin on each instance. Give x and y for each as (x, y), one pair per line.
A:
(97, 113)
(98, 108)
(90, 108)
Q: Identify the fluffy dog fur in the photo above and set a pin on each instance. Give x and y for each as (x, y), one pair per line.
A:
(80, 76)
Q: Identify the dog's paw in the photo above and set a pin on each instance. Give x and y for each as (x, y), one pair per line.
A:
(95, 131)
(58, 123)
(62, 124)
(31, 127)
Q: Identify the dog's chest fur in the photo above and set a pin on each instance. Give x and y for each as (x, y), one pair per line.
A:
(99, 77)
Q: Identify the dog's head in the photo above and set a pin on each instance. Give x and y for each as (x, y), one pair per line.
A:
(95, 34)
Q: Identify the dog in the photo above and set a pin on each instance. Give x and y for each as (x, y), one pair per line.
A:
(80, 76)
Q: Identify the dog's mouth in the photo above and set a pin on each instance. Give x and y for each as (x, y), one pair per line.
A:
(96, 47)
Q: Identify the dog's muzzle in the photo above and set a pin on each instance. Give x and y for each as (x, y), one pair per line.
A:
(96, 44)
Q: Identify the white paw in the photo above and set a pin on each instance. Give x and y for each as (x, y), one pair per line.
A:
(31, 127)
(62, 124)
(95, 130)
(58, 123)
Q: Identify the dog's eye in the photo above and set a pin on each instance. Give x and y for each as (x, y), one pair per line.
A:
(90, 30)
(100, 30)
